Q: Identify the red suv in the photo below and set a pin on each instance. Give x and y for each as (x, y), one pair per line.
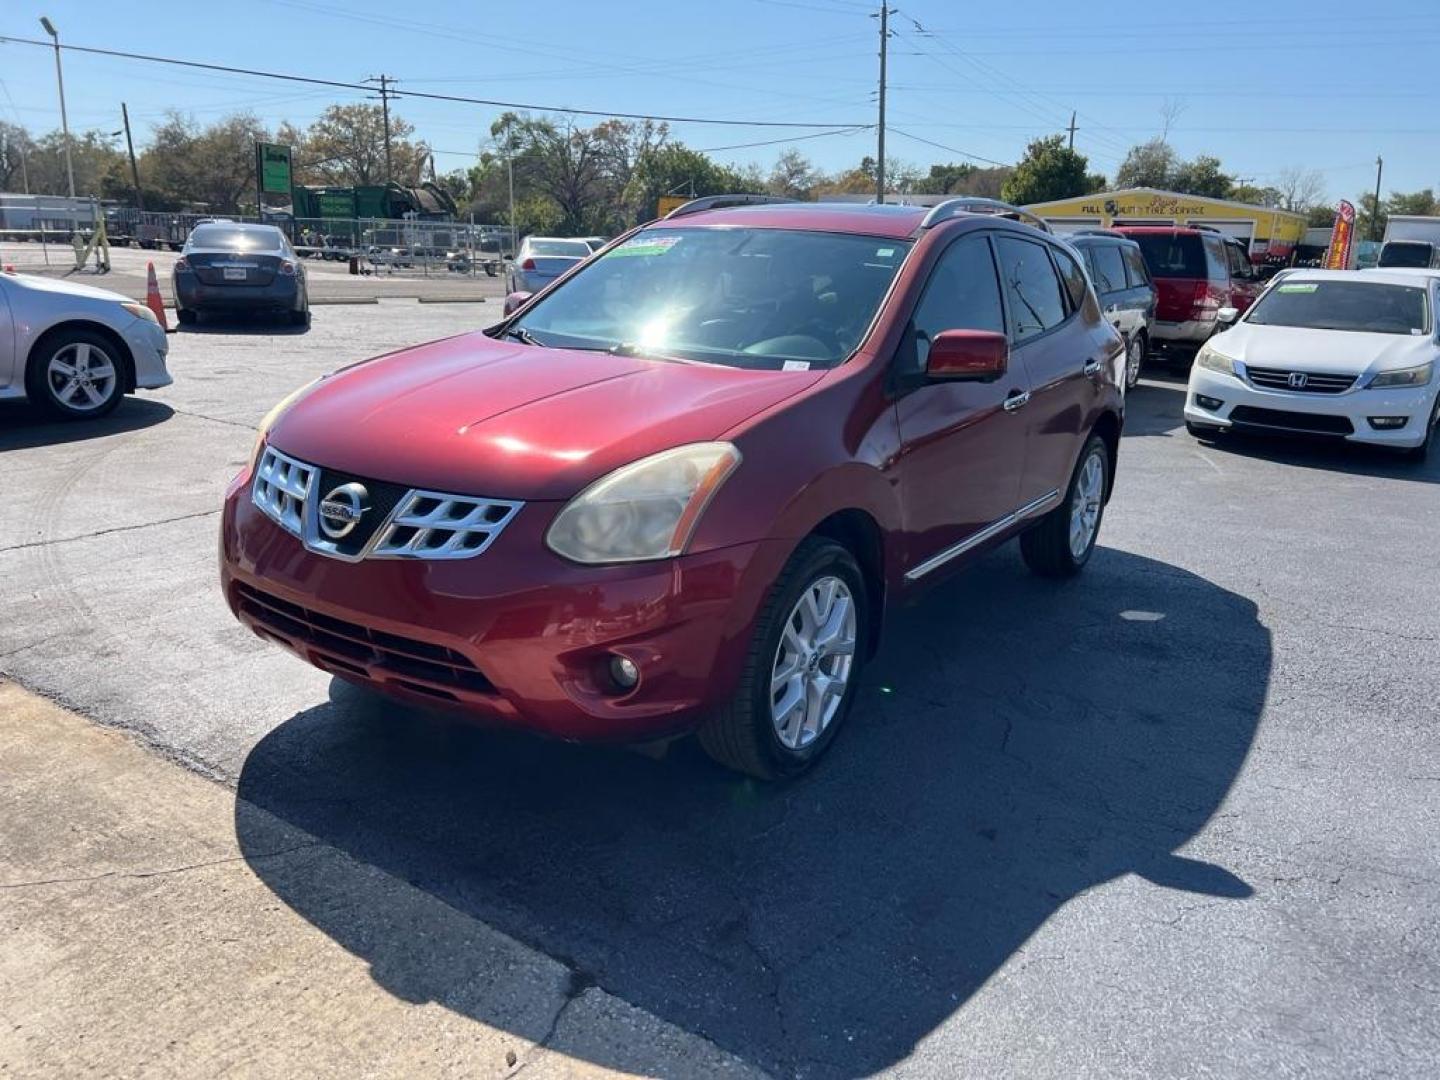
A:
(680, 488)
(1196, 273)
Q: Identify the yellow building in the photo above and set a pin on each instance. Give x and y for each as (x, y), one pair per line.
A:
(1270, 233)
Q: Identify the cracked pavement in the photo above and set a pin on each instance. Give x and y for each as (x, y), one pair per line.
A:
(1174, 818)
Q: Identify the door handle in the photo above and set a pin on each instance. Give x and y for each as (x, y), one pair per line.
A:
(1017, 399)
(1092, 366)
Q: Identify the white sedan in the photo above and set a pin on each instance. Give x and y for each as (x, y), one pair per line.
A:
(1345, 353)
(73, 349)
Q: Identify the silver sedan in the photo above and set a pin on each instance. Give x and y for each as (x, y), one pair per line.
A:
(73, 349)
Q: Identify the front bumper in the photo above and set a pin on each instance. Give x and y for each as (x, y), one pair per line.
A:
(1354, 406)
(516, 635)
(283, 293)
(148, 347)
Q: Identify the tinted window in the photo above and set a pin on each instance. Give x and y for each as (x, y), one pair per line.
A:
(231, 238)
(1135, 273)
(1172, 256)
(1073, 276)
(752, 298)
(1343, 305)
(1406, 253)
(1217, 266)
(1031, 287)
(1239, 261)
(962, 294)
(1109, 268)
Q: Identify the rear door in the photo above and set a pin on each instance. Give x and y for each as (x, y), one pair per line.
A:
(962, 453)
(1057, 333)
(1120, 304)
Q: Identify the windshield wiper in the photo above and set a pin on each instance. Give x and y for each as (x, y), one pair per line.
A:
(629, 348)
(519, 333)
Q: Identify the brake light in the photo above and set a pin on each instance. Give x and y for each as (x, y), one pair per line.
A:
(1206, 301)
(181, 266)
(528, 264)
(287, 268)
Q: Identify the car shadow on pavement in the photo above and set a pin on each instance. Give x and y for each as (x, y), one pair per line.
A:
(1018, 743)
(23, 425)
(243, 323)
(1329, 455)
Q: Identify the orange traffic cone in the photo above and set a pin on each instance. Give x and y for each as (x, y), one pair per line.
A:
(152, 297)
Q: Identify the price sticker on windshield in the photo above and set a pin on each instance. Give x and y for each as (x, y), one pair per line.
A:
(645, 245)
(1298, 286)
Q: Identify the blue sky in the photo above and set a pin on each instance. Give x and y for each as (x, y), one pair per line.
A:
(1316, 84)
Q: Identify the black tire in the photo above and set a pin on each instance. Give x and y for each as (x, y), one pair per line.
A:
(41, 383)
(187, 316)
(740, 735)
(1046, 546)
(1137, 343)
(1420, 454)
(301, 317)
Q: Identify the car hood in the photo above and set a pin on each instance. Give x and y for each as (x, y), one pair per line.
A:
(66, 288)
(476, 416)
(1339, 351)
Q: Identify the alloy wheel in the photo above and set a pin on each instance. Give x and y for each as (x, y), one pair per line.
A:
(813, 662)
(1085, 505)
(81, 377)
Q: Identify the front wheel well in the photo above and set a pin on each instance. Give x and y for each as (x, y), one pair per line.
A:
(860, 534)
(127, 362)
(1108, 428)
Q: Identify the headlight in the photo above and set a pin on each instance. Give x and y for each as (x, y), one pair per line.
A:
(1211, 359)
(646, 510)
(140, 311)
(1410, 376)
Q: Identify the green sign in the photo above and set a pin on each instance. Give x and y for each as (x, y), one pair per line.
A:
(273, 166)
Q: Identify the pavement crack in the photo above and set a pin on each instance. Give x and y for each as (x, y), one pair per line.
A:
(216, 419)
(577, 983)
(162, 872)
(106, 532)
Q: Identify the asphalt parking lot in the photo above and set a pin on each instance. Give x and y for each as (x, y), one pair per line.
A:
(1174, 818)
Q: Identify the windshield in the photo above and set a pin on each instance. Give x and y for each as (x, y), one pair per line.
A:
(572, 249)
(230, 238)
(1360, 306)
(755, 298)
(1406, 253)
(1171, 256)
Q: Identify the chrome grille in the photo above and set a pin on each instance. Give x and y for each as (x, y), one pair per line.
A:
(417, 524)
(432, 525)
(281, 488)
(1311, 382)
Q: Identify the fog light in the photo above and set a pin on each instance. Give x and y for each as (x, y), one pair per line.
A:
(1210, 403)
(624, 672)
(1387, 423)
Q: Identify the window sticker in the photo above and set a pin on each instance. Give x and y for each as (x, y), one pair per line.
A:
(884, 253)
(1298, 286)
(795, 365)
(645, 245)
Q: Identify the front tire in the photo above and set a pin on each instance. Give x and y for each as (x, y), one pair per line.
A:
(1420, 454)
(1061, 544)
(76, 374)
(801, 671)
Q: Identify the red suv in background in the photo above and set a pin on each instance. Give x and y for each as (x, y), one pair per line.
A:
(1196, 273)
(680, 488)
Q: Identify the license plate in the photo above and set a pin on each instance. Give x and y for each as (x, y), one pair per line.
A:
(234, 273)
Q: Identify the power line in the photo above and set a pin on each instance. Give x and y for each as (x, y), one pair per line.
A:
(952, 150)
(426, 95)
(791, 139)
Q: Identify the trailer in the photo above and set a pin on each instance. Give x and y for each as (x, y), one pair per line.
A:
(1411, 240)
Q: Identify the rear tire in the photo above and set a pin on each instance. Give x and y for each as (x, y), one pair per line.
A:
(187, 316)
(301, 317)
(1134, 360)
(1061, 544)
(745, 734)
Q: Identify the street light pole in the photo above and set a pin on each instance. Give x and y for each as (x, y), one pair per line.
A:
(60, 81)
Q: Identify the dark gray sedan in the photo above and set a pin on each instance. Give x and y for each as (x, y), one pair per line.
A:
(230, 267)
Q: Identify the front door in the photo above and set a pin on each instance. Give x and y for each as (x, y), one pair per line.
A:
(962, 452)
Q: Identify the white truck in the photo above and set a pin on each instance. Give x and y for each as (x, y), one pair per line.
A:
(1411, 240)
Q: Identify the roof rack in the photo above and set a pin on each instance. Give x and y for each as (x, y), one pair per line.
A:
(719, 202)
(976, 205)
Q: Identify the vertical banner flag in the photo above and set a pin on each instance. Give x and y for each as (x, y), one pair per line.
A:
(1342, 239)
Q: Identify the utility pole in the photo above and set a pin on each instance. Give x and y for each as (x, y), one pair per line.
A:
(880, 129)
(130, 148)
(1072, 129)
(49, 28)
(385, 81)
(1375, 217)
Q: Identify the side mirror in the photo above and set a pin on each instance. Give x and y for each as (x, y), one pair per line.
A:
(978, 355)
(514, 301)
(1228, 315)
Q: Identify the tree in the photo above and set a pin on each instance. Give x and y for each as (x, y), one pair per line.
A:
(1049, 171)
(1202, 176)
(346, 146)
(1150, 164)
(1257, 196)
(675, 169)
(1415, 202)
(1320, 217)
(793, 176)
(565, 164)
(1300, 189)
(212, 166)
(946, 179)
(16, 146)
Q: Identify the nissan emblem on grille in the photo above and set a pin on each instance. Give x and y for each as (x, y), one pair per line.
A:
(1298, 379)
(342, 509)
